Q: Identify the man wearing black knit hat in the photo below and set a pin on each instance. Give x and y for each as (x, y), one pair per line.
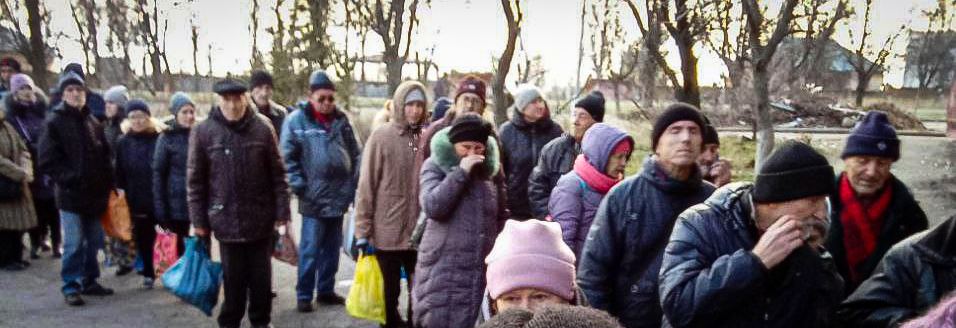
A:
(872, 210)
(620, 262)
(714, 169)
(557, 156)
(261, 86)
(751, 255)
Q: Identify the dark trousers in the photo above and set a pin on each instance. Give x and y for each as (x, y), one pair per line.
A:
(391, 264)
(247, 276)
(181, 229)
(48, 222)
(144, 237)
(11, 246)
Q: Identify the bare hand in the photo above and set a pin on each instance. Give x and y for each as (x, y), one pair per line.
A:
(201, 232)
(721, 172)
(469, 162)
(779, 241)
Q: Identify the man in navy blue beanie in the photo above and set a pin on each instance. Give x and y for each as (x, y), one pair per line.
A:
(872, 210)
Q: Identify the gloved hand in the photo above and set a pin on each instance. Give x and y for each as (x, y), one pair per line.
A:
(362, 245)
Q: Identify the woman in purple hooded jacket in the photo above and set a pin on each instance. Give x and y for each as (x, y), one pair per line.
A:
(605, 151)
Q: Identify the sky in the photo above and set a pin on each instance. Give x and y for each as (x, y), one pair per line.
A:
(463, 34)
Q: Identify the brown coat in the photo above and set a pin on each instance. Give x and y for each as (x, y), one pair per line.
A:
(386, 206)
(235, 178)
(15, 214)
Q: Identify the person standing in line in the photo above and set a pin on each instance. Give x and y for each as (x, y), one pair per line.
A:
(17, 214)
(262, 87)
(169, 169)
(121, 253)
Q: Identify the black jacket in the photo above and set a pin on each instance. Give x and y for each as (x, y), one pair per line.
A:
(74, 152)
(903, 218)
(521, 142)
(169, 174)
(235, 179)
(556, 159)
(276, 114)
(915, 274)
(710, 277)
(622, 256)
(134, 174)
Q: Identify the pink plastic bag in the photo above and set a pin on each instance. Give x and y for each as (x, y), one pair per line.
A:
(164, 251)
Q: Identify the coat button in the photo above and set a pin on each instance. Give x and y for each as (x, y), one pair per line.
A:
(227, 151)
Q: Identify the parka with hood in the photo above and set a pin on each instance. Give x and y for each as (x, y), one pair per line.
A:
(386, 207)
(465, 213)
(169, 173)
(521, 143)
(28, 120)
(575, 201)
(15, 214)
(134, 173)
(322, 162)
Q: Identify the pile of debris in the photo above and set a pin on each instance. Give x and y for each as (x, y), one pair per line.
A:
(822, 112)
(900, 119)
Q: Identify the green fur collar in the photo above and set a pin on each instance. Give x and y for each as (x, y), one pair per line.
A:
(444, 155)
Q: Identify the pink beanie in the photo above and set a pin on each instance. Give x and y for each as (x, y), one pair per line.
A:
(531, 254)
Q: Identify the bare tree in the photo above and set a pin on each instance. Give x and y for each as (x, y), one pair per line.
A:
(33, 48)
(865, 59)
(606, 32)
(817, 27)
(387, 19)
(256, 60)
(622, 76)
(149, 32)
(514, 17)
(194, 37)
(120, 37)
(933, 61)
(762, 49)
(577, 81)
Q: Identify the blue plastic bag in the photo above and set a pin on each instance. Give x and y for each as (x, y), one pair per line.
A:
(195, 278)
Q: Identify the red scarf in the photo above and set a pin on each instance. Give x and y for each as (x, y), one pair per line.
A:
(324, 119)
(596, 180)
(861, 224)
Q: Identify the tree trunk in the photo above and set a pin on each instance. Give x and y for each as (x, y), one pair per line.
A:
(763, 121)
(504, 63)
(690, 93)
(393, 70)
(577, 80)
(37, 56)
(862, 81)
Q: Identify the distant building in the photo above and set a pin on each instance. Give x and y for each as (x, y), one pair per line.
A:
(8, 49)
(605, 86)
(911, 75)
(839, 74)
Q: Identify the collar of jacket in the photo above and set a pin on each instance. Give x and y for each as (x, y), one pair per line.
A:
(309, 112)
(71, 111)
(543, 124)
(241, 125)
(658, 177)
(443, 152)
(272, 109)
(173, 127)
(15, 108)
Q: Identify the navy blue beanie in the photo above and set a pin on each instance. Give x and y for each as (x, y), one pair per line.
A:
(137, 105)
(320, 80)
(873, 136)
(793, 171)
(441, 107)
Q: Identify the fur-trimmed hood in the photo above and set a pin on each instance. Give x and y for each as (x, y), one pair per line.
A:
(443, 152)
(398, 100)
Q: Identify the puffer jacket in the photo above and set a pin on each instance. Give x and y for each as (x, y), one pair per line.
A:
(235, 182)
(75, 153)
(619, 265)
(914, 275)
(134, 172)
(488, 311)
(573, 202)
(169, 174)
(710, 277)
(521, 143)
(902, 219)
(465, 213)
(386, 207)
(322, 163)
(28, 120)
(556, 159)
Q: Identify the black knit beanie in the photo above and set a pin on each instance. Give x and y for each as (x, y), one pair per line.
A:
(710, 135)
(469, 128)
(556, 316)
(873, 136)
(675, 113)
(260, 77)
(593, 103)
(795, 170)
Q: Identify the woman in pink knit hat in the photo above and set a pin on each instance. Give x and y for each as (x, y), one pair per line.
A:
(530, 267)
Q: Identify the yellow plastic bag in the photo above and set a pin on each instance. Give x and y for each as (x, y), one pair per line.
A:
(367, 296)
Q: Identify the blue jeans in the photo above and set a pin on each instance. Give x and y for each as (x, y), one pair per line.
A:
(82, 239)
(318, 256)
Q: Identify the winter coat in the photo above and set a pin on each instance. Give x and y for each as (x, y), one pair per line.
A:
(235, 182)
(386, 208)
(322, 163)
(902, 219)
(914, 275)
(276, 114)
(17, 214)
(521, 145)
(75, 153)
(427, 135)
(621, 259)
(169, 174)
(111, 127)
(465, 215)
(29, 124)
(134, 172)
(710, 277)
(556, 159)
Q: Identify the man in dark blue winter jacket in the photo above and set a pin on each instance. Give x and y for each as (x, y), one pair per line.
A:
(622, 255)
(751, 255)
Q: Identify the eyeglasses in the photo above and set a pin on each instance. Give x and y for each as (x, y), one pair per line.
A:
(326, 99)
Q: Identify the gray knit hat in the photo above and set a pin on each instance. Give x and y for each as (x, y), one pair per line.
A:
(525, 95)
(117, 94)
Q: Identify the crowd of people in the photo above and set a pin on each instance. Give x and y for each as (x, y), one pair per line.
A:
(522, 225)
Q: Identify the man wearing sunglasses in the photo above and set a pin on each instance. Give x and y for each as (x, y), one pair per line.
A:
(322, 162)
